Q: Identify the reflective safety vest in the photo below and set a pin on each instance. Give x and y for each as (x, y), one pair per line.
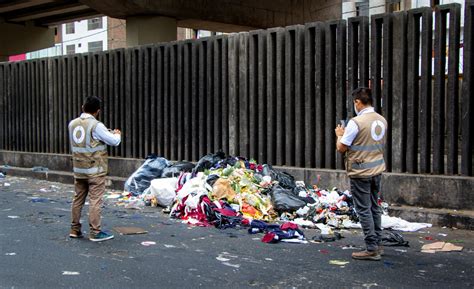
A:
(364, 158)
(89, 156)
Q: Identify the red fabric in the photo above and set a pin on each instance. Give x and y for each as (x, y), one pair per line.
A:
(289, 226)
(268, 238)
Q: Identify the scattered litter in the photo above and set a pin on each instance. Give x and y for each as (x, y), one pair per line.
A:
(442, 234)
(2, 176)
(130, 230)
(440, 247)
(222, 259)
(13, 217)
(148, 243)
(268, 259)
(429, 238)
(338, 262)
(169, 246)
(388, 264)
(70, 273)
(10, 254)
(401, 250)
(39, 200)
(351, 247)
(231, 265)
(234, 192)
(6, 184)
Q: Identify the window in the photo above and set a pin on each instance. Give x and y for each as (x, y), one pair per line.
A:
(94, 23)
(70, 28)
(70, 49)
(95, 46)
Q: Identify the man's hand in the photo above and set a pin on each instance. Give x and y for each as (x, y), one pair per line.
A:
(339, 130)
(117, 131)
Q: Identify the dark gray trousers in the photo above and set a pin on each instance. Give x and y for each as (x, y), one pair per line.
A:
(365, 193)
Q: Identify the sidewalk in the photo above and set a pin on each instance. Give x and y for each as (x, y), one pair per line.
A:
(36, 252)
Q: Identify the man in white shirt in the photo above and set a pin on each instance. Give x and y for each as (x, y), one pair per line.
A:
(89, 139)
(363, 142)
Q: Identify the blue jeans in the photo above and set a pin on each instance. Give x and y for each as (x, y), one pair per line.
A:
(365, 193)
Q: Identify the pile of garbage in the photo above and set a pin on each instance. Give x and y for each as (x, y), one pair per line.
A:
(226, 191)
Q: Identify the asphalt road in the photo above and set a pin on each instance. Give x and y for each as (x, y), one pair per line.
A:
(35, 252)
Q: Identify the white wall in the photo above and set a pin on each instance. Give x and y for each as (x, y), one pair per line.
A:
(81, 36)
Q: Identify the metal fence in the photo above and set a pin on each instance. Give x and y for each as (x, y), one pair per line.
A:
(274, 95)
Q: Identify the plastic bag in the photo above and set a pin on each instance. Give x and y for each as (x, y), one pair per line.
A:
(140, 180)
(176, 169)
(284, 179)
(164, 190)
(208, 161)
(284, 200)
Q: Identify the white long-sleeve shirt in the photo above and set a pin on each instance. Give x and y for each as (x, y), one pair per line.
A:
(352, 129)
(101, 133)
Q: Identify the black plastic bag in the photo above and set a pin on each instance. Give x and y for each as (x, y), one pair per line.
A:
(284, 179)
(393, 239)
(284, 201)
(176, 169)
(208, 161)
(151, 169)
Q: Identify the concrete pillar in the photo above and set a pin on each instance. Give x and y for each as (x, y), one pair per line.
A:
(17, 39)
(150, 29)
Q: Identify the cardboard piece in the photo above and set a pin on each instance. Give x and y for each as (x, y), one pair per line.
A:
(130, 230)
(440, 247)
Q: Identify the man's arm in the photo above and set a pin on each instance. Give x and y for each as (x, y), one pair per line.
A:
(340, 147)
(345, 136)
(103, 134)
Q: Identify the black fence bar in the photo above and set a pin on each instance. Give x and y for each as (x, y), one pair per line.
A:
(439, 100)
(452, 119)
(274, 95)
(467, 118)
(234, 115)
(358, 55)
(425, 90)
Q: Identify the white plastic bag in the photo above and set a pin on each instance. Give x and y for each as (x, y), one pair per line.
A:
(164, 190)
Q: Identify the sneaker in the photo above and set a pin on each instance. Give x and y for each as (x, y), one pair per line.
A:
(101, 236)
(366, 255)
(75, 234)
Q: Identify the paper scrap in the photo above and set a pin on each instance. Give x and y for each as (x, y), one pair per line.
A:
(13, 217)
(338, 262)
(148, 243)
(70, 273)
(10, 254)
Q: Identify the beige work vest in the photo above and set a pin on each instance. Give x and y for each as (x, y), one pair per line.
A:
(364, 158)
(89, 156)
